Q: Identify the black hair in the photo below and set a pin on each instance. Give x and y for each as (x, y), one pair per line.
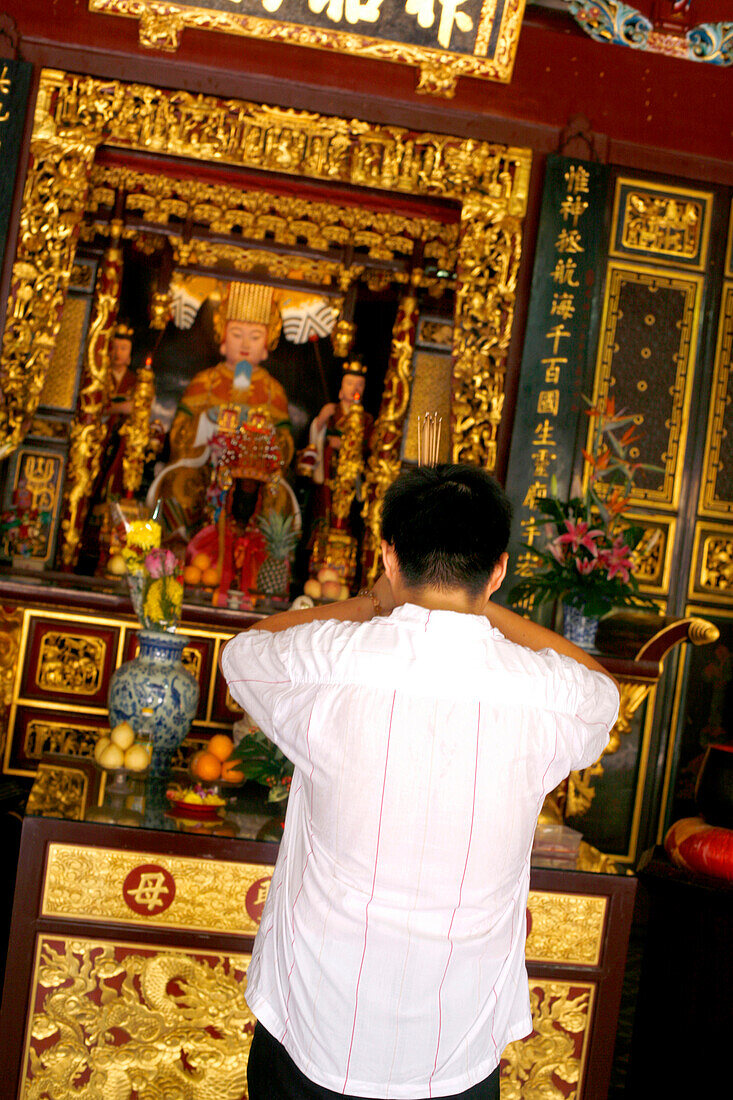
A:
(448, 525)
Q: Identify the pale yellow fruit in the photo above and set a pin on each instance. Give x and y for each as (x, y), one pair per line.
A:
(136, 758)
(100, 746)
(116, 565)
(123, 736)
(312, 588)
(331, 590)
(327, 574)
(344, 593)
(112, 757)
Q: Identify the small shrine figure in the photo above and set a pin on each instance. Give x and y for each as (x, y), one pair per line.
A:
(335, 458)
(249, 325)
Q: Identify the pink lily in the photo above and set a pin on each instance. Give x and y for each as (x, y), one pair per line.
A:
(579, 535)
(585, 566)
(618, 561)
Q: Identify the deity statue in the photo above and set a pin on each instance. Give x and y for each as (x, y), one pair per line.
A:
(230, 448)
(249, 325)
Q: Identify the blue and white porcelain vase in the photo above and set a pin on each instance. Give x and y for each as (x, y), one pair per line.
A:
(578, 627)
(156, 680)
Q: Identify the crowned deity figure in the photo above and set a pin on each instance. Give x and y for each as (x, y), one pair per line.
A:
(249, 325)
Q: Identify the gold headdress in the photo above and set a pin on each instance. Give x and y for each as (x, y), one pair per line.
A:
(254, 303)
(354, 366)
(122, 331)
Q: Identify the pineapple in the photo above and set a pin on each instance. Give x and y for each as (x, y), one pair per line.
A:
(280, 537)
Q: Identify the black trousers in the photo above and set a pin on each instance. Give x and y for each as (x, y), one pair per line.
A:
(273, 1075)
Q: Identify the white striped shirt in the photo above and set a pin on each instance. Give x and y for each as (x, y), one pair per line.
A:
(390, 956)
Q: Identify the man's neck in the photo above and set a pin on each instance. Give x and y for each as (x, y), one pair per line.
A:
(442, 599)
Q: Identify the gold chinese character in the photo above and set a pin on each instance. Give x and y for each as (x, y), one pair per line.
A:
(5, 117)
(425, 12)
(5, 81)
(563, 305)
(552, 370)
(354, 11)
(556, 334)
(543, 433)
(148, 892)
(569, 241)
(573, 207)
(548, 402)
(526, 564)
(577, 179)
(534, 490)
(541, 462)
(564, 271)
(530, 530)
(262, 893)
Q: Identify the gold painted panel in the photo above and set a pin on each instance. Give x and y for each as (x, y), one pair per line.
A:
(70, 663)
(647, 363)
(430, 393)
(59, 387)
(142, 888)
(565, 928)
(59, 791)
(716, 493)
(711, 577)
(551, 1063)
(668, 225)
(652, 557)
(131, 1020)
(493, 50)
(72, 738)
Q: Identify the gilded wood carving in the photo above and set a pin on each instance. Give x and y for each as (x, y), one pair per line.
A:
(75, 115)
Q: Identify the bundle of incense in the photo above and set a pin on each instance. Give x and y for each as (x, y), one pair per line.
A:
(428, 439)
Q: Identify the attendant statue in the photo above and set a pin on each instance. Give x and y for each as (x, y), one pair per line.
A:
(334, 459)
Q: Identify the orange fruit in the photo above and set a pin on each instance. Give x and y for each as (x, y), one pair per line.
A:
(220, 746)
(230, 771)
(201, 561)
(205, 765)
(210, 577)
(192, 574)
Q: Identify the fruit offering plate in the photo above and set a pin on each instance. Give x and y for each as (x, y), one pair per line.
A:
(195, 801)
(120, 776)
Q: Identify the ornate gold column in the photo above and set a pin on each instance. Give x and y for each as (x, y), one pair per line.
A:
(488, 261)
(136, 430)
(53, 203)
(386, 442)
(89, 429)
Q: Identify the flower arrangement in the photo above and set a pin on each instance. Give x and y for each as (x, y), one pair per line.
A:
(587, 561)
(154, 575)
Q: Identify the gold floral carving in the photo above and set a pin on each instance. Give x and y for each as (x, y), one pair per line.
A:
(59, 792)
(89, 430)
(550, 1064)
(53, 204)
(386, 440)
(716, 569)
(134, 1021)
(43, 736)
(663, 224)
(489, 254)
(565, 928)
(252, 260)
(136, 430)
(86, 883)
(70, 663)
(11, 621)
(161, 24)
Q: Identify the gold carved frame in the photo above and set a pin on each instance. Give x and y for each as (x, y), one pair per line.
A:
(76, 115)
(160, 25)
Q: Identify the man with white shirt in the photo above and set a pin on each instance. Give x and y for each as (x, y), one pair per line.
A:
(426, 725)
